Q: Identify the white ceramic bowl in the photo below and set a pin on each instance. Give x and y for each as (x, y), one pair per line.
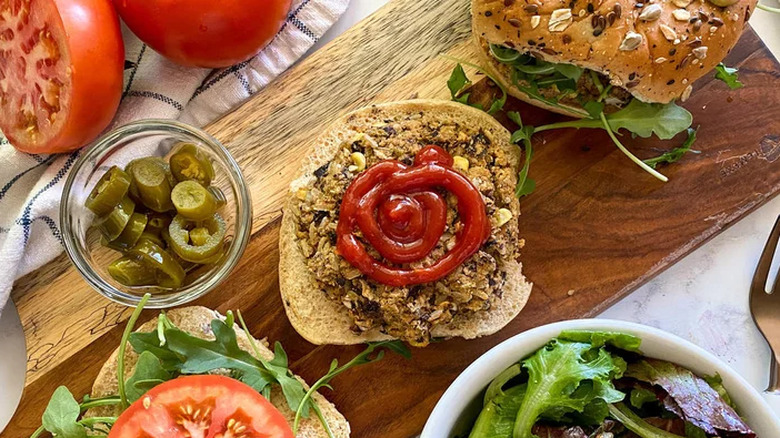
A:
(461, 403)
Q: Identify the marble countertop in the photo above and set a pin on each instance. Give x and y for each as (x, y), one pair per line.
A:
(703, 298)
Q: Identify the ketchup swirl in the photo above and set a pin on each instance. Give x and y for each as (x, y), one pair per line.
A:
(402, 213)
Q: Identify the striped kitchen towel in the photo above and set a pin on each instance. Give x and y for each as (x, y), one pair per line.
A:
(31, 185)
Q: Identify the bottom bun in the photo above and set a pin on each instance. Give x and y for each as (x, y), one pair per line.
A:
(320, 319)
(196, 321)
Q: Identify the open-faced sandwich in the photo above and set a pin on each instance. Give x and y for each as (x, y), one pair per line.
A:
(192, 373)
(403, 225)
(562, 55)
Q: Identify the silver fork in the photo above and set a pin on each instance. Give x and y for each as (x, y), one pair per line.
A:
(765, 306)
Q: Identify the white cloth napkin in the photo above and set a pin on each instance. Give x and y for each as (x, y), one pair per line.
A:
(31, 185)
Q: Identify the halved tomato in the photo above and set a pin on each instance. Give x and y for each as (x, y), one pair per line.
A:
(61, 66)
(201, 407)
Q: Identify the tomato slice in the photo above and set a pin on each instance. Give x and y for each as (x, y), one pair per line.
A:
(61, 67)
(201, 407)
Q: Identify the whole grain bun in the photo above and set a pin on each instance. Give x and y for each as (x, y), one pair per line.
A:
(656, 59)
(196, 321)
(318, 318)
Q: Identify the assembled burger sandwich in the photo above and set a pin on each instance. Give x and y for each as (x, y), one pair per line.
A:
(403, 225)
(192, 372)
(562, 55)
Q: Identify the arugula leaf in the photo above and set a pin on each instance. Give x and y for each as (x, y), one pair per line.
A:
(571, 71)
(675, 154)
(148, 373)
(645, 119)
(199, 356)
(623, 341)
(699, 404)
(457, 83)
(628, 153)
(640, 118)
(366, 357)
(532, 90)
(525, 185)
(152, 343)
(556, 373)
(504, 54)
(498, 104)
(594, 109)
(636, 424)
(728, 75)
(61, 415)
(292, 388)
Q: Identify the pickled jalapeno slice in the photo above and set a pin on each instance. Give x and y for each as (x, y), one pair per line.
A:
(184, 245)
(130, 235)
(157, 223)
(168, 272)
(189, 163)
(131, 271)
(156, 238)
(151, 184)
(112, 224)
(109, 191)
(193, 201)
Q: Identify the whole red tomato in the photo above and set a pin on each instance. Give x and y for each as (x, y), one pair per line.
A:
(205, 33)
(61, 65)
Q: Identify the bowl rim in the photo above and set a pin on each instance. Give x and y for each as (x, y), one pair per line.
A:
(243, 228)
(464, 388)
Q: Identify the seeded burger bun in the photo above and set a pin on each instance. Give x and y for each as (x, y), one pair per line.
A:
(196, 320)
(320, 318)
(653, 50)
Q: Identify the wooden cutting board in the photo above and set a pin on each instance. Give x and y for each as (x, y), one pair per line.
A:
(596, 228)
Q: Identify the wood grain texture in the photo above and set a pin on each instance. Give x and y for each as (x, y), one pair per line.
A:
(596, 228)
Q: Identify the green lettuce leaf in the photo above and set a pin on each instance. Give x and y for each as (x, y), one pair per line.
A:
(623, 341)
(497, 418)
(636, 424)
(640, 396)
(716, 383)
(566, 376)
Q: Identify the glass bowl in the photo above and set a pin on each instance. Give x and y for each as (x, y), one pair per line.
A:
(119, 147)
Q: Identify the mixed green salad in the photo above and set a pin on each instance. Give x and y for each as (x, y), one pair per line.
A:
(586, 384)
